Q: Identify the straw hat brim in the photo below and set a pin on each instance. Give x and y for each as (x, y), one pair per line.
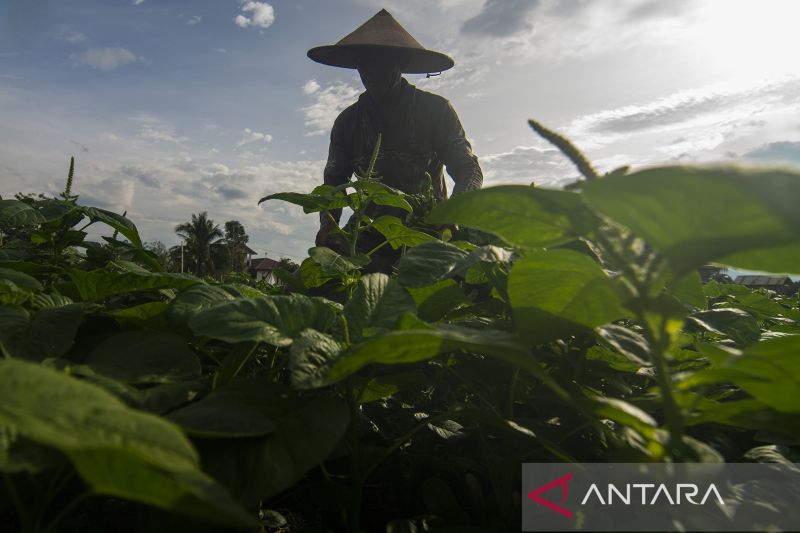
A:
(421, 61)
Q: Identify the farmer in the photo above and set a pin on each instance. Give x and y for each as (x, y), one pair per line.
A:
(420, 131)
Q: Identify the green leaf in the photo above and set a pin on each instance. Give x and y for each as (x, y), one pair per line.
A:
(378, 302)
(13, 319)
(98, 285)
(435, 301)
(140, 313)
(275, 320)
(311, 274)
(145, 357)
(227, 412)
(627, 342)
(729, 322)
(194, 299)
(522, 216)
(409, 346)
(311, 357)
(689, 290)
(322, 198)
(332, 263)
(429, 263)
(20, 279)
(398, 234)
(50, 333)
(697, 215)
(306, 431)
(117, 450)
(16, 213)
(122, 474)
(770, 372)
(118, 222)
(556, 293)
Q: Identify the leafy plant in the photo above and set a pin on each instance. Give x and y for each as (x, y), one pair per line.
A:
(564, 325)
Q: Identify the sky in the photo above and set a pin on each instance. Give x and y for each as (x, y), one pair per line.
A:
(173, 107)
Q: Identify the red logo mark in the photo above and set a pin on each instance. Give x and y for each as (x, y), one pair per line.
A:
(562, 482)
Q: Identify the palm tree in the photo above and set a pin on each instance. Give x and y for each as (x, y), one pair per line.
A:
(199, 235)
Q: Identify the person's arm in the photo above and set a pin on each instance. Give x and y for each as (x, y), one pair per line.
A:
(338, 170)
(456, 152)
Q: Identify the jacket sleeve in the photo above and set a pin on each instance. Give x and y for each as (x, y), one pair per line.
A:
(456, 152)
(339, 167)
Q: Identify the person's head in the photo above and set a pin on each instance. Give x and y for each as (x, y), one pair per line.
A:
(380, 71)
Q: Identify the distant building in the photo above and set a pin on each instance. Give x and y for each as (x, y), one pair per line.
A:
(711, 272)
(263, 268)
(779, 284)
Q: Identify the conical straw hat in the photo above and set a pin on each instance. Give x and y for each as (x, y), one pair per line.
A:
(381, 32)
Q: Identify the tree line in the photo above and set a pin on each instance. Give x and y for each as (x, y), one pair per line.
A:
(208, 249)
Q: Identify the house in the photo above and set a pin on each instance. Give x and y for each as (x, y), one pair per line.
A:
(263, 268)
(713, 272)
(779, 284)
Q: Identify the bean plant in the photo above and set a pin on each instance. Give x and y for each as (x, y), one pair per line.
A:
(548, 326)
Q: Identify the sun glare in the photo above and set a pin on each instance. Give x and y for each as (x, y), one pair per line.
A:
(747, 38)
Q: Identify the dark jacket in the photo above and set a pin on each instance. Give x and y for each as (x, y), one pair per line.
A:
(420, 132)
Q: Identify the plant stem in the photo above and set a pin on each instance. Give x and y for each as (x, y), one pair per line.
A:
(512, 390)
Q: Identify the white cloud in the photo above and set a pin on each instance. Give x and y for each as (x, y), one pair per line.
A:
(310, 87)
(73, 36)
(262, 15)
(193, 21)
(138, 2)
(250, 136)
(327, 105)
(546, 167)
(104, 58)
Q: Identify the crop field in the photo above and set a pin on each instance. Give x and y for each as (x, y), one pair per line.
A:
(518, 325)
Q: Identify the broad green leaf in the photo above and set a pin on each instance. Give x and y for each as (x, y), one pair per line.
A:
(141, 313)
(306, 431)
(98, 285)
(415, 341)
(50, 333)
(398, 234)
(311, 357)
(227, 412)
(322, 198)
(145, 357)
(556, 293)
(123, 475)
(429, 263)
(782, 259)
(117, 450)
(378, 302)
(332, 263)
(619, 411)
(194, 299)
(20, 279)
(729, 322)
(435, 301)
(522, 216)
(694, 215)
(18, 454)
(16, 213)
(627, 342)
(689, 290)
(381, 194)
(768, 370)
(311, 274)
(46, 301)
(275, 320)
(758, 305)
(118, 222)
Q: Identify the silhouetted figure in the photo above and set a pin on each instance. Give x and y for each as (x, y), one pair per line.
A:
(420, 131)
